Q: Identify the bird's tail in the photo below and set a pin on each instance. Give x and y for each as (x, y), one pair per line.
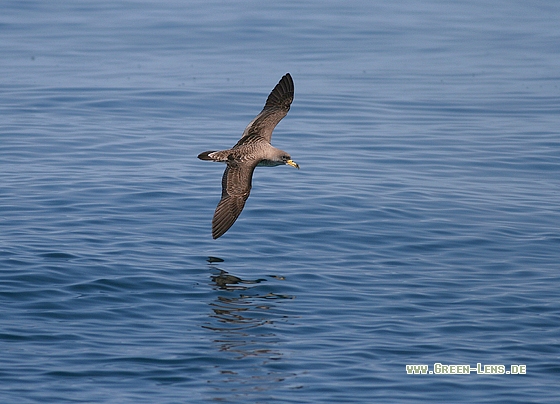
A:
(206, 155)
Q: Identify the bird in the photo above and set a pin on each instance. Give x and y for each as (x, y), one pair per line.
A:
(251, 151)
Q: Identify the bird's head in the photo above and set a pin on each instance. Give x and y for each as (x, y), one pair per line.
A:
(286, 159)
(277, 157)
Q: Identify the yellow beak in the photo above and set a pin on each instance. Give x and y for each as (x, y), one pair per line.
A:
(292, 163)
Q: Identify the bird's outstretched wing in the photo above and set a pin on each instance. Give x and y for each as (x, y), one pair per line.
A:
(276, 107)
(236, 186)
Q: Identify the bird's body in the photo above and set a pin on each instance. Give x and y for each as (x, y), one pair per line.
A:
(252, 150)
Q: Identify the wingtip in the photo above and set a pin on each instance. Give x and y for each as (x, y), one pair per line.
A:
(218, 232)
(282, 94)
(290, 82)
(228, 210)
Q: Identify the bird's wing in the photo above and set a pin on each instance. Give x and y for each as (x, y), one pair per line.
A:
(276, 107)
(236, 186)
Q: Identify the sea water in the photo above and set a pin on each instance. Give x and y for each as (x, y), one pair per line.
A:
(413, 258)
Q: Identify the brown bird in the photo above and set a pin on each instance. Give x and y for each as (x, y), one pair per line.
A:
(252, 150)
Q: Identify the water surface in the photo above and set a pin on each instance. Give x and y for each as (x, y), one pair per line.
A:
(423, 226)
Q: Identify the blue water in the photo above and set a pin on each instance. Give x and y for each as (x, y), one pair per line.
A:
(422, 228)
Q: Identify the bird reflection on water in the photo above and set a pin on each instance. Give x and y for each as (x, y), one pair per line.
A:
(227, 308)
(243, 321)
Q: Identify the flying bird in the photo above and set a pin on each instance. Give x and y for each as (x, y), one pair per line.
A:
(252, 150)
